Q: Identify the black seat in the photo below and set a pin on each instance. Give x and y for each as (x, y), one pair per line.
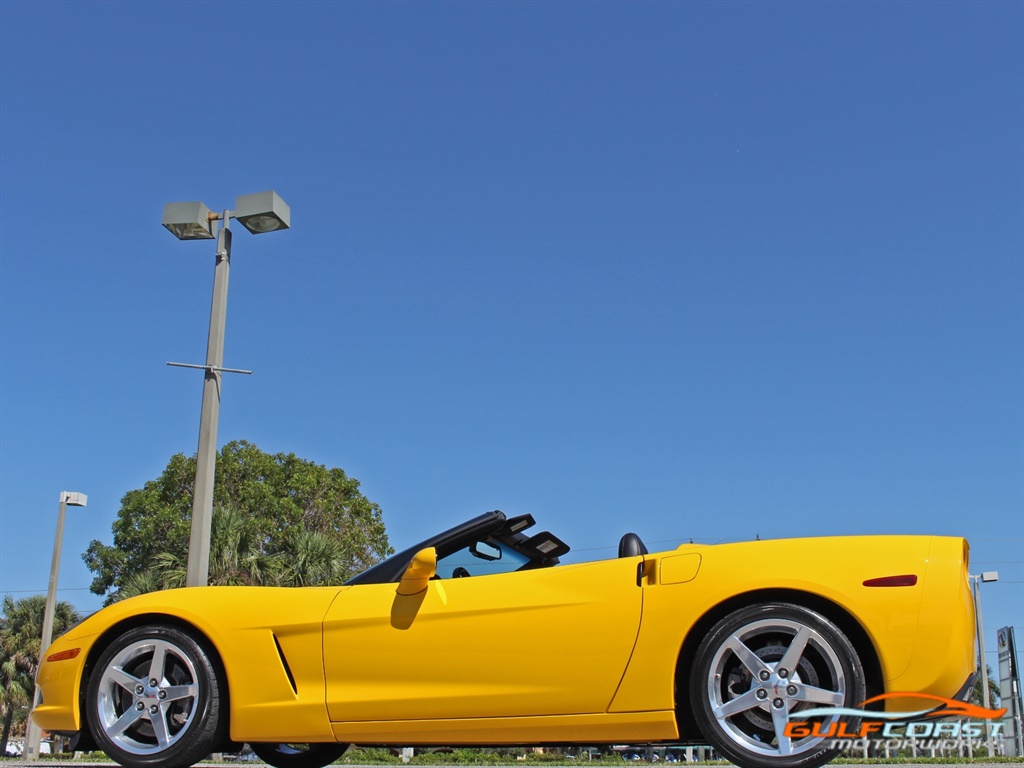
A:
(631, 546)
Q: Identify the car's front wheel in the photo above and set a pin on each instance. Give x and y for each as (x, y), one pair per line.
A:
(758, 669)
(154, 699)
(299, 755)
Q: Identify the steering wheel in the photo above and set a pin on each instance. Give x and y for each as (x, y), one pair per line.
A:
(460, 573)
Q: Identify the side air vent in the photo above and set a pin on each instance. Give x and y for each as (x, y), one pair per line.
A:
(284, 663)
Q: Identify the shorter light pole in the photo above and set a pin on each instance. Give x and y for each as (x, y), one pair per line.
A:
(986, 701)
(33, 733)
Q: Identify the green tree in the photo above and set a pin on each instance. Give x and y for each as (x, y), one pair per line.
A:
(14, 689)
(310, 558)
(267, 502)
(21, 629)
(238, 558)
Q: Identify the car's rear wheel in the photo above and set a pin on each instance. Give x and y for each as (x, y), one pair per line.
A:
(758, 669)
(299, 755)
(154, 699)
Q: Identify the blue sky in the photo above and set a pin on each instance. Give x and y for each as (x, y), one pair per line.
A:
(708, 270)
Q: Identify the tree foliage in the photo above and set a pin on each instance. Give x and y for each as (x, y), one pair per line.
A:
(266, 504)
(238, 558)
(21, 630)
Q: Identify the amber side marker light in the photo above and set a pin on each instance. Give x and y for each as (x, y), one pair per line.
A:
(64, 655)
(907, 580)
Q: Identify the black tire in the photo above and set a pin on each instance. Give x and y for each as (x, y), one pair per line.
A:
(742, 694)
(154, 699)
(299, 755)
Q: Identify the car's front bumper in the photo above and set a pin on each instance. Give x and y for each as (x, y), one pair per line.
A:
(59, 681)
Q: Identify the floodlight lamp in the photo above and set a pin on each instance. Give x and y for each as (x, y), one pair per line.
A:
(74, 499)
(262, 212)
(188, 221)
(988, 576)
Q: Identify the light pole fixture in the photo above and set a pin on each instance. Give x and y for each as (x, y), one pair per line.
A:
(986, 577)
(189, 221)
(259, 213)
(67, 499)
(262, 212)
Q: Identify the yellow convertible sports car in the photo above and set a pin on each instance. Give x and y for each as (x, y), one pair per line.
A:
(479, 636)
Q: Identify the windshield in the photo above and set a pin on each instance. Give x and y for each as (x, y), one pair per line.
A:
(481, 559)
(489, 543)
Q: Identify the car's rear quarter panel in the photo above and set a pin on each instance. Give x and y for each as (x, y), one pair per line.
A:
(945, 651)
(921, 634)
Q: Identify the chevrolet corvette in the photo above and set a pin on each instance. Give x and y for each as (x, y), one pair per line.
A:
(479, 636)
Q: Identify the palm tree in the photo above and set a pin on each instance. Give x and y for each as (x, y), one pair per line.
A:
(238, 554)
(21, 629)
(239, 557)
(311, 558)
(14, 690)
(140, 583)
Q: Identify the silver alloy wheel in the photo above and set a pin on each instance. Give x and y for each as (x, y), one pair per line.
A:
(147, 696)
(766, 670)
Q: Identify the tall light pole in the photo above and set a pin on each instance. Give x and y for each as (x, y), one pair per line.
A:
(259, 213)
(67, 499)
(986, 701)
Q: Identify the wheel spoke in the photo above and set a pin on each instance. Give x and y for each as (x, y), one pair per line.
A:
(780, 718)
(160, 729)
(176, 692)
(796, 648)
(156, 664)
(740, 704)
(120, 677)
(820, 695)
(124, 721)
(749, 659)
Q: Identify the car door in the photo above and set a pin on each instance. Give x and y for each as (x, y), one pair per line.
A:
(537, 642)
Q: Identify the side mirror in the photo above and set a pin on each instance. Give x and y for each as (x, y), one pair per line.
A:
(422, 568)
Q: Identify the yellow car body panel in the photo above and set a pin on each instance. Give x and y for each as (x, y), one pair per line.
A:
(628, 727)
(573, 653)
(241, 623)
(567, 631)
(58, 682)
(923, 634)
